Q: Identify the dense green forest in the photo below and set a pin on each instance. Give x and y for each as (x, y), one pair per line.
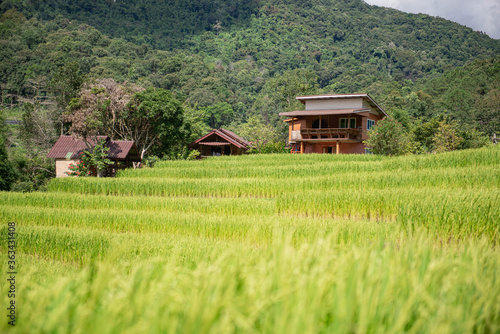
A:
(235, 63)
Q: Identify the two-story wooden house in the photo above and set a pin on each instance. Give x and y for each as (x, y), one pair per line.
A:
(332, 123)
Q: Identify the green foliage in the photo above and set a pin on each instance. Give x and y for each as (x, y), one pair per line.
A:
(424, 133)
(80, 168)
(183, 154)
(150, 161)
(470, 94)
(290, 84)
(441, 134)
(446, 137)
(7, 171)
(93, 161)
(66, 83)
(257, 132)
(273, 147)
(389, 137)
(97, 157)
(33, 172)
(165, 116)
(218, 115)
(38, 128)
(472, 138)
(195, 117)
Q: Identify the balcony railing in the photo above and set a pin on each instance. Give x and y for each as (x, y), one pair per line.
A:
(326, 133)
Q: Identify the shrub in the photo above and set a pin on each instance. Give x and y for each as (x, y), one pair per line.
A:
(389, 137)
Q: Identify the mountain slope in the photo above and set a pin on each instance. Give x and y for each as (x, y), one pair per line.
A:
(336, 45)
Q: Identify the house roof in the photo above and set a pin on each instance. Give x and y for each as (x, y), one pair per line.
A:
(364, 96)
(322, 112)
(227, 135)
(68, 147)
(235, 136)
(214, 143)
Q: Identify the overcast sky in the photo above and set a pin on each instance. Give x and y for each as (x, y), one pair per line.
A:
(480, 15)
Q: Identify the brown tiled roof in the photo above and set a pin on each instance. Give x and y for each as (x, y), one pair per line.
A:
(122, 150)
(71, 148)
(321, 112)
(228, 136)
(235, 136)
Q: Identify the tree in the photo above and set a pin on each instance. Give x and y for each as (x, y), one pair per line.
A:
(256, 132)
(92, 158)
(195, 118)
(37, 134)
(154, 119)
(447, 138)
(218, 115)
(291, 84)
(66, 83)
(424, 133)
(7, 172)
(389, 137)
(100, 109)
(37, 129)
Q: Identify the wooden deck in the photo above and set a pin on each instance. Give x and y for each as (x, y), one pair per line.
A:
(328, 134)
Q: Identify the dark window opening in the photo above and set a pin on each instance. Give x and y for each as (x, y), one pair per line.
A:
(324, 124)
(216, 151)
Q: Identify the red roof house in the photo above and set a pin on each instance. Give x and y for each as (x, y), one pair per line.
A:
(67, 151)
(220, 142)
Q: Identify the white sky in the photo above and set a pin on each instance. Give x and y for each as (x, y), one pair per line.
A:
(480, 15)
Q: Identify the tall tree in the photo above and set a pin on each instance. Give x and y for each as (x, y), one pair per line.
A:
(99, 109)
(66, 83)
(154, 119)
(7, 172)
(257, 132)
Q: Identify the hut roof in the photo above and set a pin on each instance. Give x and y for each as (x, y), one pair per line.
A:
(68, 147)
(228, 136)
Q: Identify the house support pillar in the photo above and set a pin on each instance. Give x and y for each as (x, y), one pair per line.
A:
(337, 148)
(301, 147)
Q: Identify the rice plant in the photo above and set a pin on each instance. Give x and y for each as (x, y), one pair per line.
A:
(264, 243)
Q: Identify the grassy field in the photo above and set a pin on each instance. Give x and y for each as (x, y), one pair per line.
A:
(263, 244)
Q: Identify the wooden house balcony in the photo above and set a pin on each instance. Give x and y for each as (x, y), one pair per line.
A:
(326, 134)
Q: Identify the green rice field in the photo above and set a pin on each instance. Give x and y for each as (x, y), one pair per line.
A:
(262, 244)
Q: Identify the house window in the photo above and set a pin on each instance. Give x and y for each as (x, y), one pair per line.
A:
(369, 124)
(347, 123)
(316, 124)
(216, 151)
(368, 150)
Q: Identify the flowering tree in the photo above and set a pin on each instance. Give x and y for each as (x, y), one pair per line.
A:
(81, 168)
(95, 158)
(152, 118)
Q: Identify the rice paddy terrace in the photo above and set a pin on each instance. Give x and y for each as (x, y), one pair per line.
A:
(263, 244)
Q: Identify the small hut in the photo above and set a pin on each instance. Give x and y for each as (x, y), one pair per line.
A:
(67, 151)
(220, 142)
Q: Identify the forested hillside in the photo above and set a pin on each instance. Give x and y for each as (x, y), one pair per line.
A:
(228, 51)
(234, 63)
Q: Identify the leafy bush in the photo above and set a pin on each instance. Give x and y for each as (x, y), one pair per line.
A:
(389, 137)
